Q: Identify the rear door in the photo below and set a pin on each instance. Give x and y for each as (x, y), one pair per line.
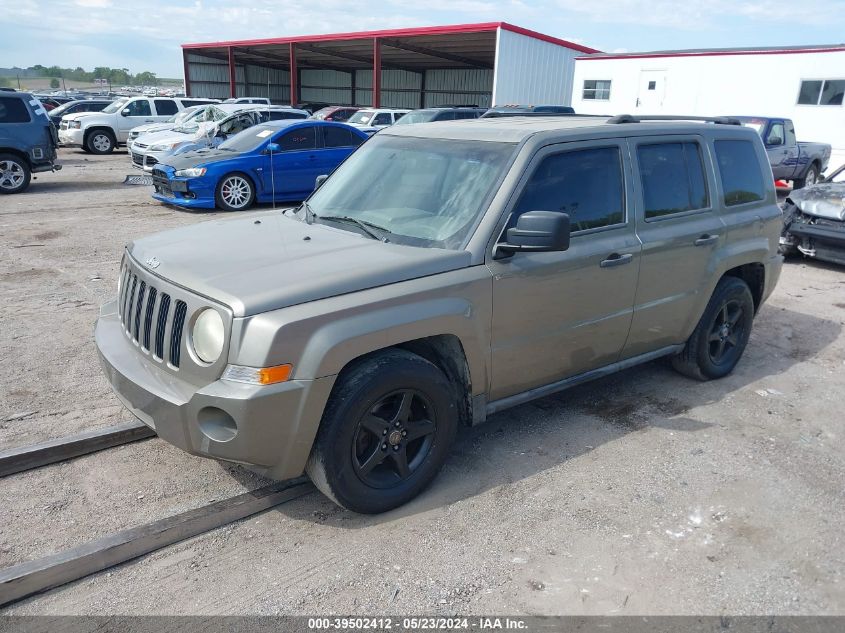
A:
(335, 143)
(559, 314)
(165, 108)
(681, 233)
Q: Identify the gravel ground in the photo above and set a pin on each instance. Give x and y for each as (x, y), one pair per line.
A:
(642, 493)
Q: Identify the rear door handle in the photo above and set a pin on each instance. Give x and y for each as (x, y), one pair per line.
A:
(616, 260)
(704, 240)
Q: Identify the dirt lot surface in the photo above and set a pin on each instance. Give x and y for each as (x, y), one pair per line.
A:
(643, 493)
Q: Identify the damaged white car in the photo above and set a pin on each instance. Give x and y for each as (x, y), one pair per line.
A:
(814, 221)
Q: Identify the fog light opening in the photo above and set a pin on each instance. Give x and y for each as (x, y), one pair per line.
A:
(217, 425)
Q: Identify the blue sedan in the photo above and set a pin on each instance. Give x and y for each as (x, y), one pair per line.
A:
(272, 162)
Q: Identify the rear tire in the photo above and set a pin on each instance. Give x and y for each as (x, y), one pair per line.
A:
(809, 179)
(15, 174)
(235, 192)
(719, 339)
(100, 142)
(385, 432)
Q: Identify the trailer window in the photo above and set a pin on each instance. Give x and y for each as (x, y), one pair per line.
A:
(827, 92)
(596, 89)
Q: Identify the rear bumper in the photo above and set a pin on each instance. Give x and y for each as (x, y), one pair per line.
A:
(270, 428)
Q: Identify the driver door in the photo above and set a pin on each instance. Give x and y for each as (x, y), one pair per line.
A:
(293, 171)
(138, 112)
(559, 314)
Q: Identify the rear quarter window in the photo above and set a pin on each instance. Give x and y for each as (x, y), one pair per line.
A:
(13, 111)
(739, 171)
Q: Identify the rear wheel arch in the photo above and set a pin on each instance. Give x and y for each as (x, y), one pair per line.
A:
(17, 153)
(754, 276)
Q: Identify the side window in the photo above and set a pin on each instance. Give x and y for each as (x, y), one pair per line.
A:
(13, 111)
(382, 119)
(775, 135)
(302, 138)
(587, 184)
(672, 177)
(739, 170)
(139, 108)
(337, 137)
(166, 107)
(790, 134)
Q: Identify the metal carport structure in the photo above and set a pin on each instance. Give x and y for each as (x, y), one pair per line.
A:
(484, 64)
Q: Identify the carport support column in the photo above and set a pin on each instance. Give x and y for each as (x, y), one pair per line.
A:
(376, 72)
(233, 76)
(294, 77)
(187, 68)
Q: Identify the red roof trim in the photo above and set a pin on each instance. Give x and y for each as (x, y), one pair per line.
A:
(482, 27)
(547, 38)
(795, 51)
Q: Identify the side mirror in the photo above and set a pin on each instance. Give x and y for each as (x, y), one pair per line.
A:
(538, 232)
(125, 112)
(273, 148)
(320, 180)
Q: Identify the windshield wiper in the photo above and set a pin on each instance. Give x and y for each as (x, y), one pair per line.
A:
(362, 224)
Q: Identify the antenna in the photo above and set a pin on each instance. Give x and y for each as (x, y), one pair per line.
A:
(273, 180)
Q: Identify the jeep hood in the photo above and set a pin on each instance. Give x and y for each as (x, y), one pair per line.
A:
(267, 261)
(823, 201)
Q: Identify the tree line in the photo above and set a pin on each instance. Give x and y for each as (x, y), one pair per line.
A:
(115, 76)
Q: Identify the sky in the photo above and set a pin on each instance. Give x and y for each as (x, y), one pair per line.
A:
(146, 35)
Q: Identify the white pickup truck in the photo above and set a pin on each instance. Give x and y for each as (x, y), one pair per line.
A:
(101, 132)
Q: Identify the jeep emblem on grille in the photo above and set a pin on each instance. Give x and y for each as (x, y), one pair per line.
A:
(152, 262)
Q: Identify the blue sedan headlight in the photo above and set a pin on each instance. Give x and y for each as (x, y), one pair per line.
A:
(191, 172)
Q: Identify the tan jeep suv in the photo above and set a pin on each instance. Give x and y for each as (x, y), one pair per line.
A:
(445, 271)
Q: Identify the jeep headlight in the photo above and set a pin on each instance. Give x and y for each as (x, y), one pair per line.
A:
(208, 335)
(191, 172)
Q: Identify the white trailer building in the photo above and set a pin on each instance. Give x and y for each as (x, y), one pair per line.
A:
(805, 84)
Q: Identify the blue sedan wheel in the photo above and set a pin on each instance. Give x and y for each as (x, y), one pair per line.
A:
(235, 192)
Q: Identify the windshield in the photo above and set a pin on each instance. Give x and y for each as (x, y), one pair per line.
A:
(114, 106)
(426, 192)
(362, 116)
(420, 116)
(248, 140)
(192, 123)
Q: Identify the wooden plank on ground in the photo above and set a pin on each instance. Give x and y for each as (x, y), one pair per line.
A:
(57, 569)
(16, 460)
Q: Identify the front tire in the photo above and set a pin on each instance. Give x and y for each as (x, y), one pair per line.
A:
(385, 432)
(100, 142)
(809, 179)
(235, 192)
(15, 174)
(720, 338)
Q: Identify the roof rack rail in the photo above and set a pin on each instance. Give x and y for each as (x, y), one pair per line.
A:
(718, 120)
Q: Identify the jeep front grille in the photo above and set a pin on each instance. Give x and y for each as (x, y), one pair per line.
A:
(146, 315)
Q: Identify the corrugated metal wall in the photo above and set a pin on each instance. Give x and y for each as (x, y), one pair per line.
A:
(326, 86)
(531, 71)
(209, 78)
(458, 87)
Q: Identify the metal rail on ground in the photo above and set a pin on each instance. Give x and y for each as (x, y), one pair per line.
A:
(32, 577)
(16, 460)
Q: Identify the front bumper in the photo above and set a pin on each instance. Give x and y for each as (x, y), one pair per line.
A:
(192, 193)
(72, 138)
(825, 241)
(269, 428)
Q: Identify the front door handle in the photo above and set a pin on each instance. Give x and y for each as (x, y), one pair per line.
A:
(616, 260)
(705, 239)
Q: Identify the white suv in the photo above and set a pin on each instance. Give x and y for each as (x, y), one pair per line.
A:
(101, 132)
(371, 121)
